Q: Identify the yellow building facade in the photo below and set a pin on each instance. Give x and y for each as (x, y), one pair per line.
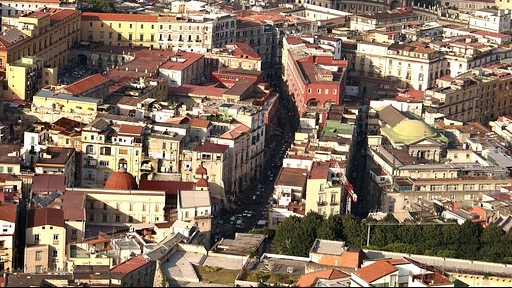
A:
(26, 76)
(48, 34)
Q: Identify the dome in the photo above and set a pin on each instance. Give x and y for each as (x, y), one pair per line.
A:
(121, 180)
(201, 170)
(202, 183)
(414, 128)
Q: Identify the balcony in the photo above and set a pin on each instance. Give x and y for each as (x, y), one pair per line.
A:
(334, 203)
(90, 164)
(321, 203)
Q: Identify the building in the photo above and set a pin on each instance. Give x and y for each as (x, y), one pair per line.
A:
(203, 31)
(11, 159)
(479, 95)
(215, 159)
(164, 151)
(490, 20)
(47, 33)
(324, 188)
(45, 241)
(183, 68)
(26, 76)
(135, 272)
(372, 21)
(106, 149)
(11, 8)
(57, 161)
(120, 203)
(196, 207)
(314, 82)
(93, 86)
(49, 105)
(236, 55)
(8, 219)
(413, 64)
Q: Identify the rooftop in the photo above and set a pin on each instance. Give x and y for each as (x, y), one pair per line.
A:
(294, 177)
(130, 265)
(86, 84)
(244, 244)
(45, 216)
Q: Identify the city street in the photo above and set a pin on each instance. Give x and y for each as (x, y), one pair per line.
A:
(252, 203)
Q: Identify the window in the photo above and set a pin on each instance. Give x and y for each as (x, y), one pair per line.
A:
(141, 37)
(36, 239)
(104, 218)
(130, 219)
(102, 34)
(143, 207)
(73, 232)
(118, 218)
(55, 237)
(206, 156)
(55, 253)
(39, 255)
(104, 163)
(91, 217)
(2, 243)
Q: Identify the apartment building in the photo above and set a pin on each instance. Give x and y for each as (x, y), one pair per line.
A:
(372, 21)
(114, 29)
(260, 37)
(237, 136)
(48, 34)
(183, 68)
(196, 207)
(164, 151)
(55, 160)
(324, 188)
(11, 159)
(212, 157)
(237, 55)
(45, 241)
(106, 149)
(26, 76)
(192, 33)
(8, 217)
(480, 95)
(490, 20)
(414, 64)
(11, 8)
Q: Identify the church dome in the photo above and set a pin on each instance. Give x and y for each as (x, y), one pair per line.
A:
(121, 180)
(201, 170)
(414, 128)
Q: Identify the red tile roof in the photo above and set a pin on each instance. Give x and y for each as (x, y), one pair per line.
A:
(200, 123)
(8, 212)
(375, 271)
(198, 91)
(181, 61)
(61, 15)
(130, 129)
(86, 84)
(308, 280)
(211, 147)
(236, 131)
(72, 203)
(319, 170)
(48, 183)
(292, 177)
(45, 216)
(93, 16)
(170, 187)
(130, 265)
(243, 49)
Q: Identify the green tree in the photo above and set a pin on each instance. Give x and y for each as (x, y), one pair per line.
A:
(105, 6)
(469, 240)
(493, 243)
(353, 231)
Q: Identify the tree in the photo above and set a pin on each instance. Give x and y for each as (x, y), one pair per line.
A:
(289, 239)
(469, 240)
(353, 231)
(493, 245)
(104, 6)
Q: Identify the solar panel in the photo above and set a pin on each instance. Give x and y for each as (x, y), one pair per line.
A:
(54, 195)
(36, 199)
(45, 202)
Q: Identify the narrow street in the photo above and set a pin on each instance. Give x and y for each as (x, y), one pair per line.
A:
(255, 199)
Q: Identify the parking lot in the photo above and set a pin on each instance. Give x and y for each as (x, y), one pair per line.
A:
(74, 72)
